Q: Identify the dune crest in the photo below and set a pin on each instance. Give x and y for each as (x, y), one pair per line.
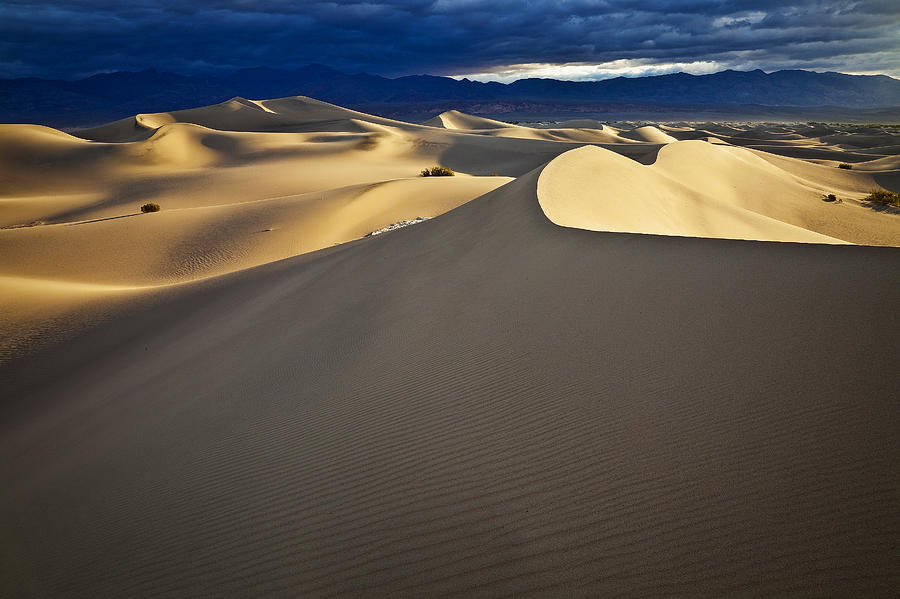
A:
(649, 134)
(454, 119)
(693, 189)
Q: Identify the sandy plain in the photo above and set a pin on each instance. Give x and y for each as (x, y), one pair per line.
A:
(629, 359)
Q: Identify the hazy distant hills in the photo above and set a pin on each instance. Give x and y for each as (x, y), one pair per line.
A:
(115, 95)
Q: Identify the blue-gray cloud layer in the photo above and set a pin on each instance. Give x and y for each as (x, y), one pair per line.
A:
(395, 37)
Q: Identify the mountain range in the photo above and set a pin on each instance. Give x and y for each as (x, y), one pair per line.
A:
(109, 96)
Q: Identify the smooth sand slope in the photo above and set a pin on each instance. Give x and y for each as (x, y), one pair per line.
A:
(241, 395)
(454, 119)
(698, 189)
(650, 134)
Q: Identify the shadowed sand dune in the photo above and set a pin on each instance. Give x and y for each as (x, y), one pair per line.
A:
(215, 400)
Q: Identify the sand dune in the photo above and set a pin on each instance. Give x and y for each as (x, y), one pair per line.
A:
(579, 131)
(242, 395)
(248, 182)
(587, 124)
(648, 134)
(179, 245)
(454, 119)
(640, 199)
(313, 174)
(376, 419)
(580, 135)
(815, 141)
(702, 190)
(238, 114)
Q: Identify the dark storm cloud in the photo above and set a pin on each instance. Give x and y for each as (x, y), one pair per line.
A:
(442, 36)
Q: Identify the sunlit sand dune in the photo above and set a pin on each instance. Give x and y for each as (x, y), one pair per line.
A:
(238, 114)
(454, 119)
(185, 244)
(640, 199)
(649, 134)
(577, 379)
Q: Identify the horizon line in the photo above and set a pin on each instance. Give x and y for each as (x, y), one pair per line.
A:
(461, 77)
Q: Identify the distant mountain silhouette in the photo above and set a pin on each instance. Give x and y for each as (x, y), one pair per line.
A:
(115, 95)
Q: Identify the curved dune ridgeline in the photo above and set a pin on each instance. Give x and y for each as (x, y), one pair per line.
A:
(698, 189)
(243, 395)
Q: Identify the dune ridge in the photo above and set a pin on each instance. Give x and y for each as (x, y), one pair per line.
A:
(454, 119)
(693, 189)
(483, 404)
(244, 395)
(650, 134)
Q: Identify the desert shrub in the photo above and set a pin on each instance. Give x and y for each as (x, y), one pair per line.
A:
(883, 196)
(34, 223)
(151, 207)
(846, 166)
(438, 171)
(831, 198)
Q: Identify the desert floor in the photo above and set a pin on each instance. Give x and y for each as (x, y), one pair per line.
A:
(607, 360)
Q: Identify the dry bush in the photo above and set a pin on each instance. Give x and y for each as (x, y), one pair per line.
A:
(438, 171)
(883, 196)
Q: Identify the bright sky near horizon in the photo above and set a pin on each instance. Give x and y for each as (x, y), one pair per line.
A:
(498, 40)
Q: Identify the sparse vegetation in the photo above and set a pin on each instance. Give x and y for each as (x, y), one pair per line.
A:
(438, 171)
(150, 207)
(830, 198)
(883, 196)
(34, 223)
(845, 166)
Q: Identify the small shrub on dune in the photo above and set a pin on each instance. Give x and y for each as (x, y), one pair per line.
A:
(151, 207)
(34, 223)
(830, 198)
(438, 171)
(883, 196)
(845, 166)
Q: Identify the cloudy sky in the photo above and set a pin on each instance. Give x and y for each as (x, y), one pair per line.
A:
(484, 39)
